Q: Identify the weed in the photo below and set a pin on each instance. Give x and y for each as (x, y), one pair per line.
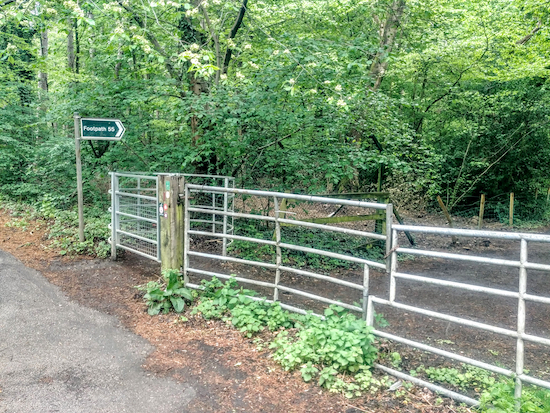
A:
(63, 226)
(499, 398)
(380, 321)
(18, 223)
(308, 371)
(396, 359)
(64, 233)
(467, 377)
(341, 341)
(163, 297)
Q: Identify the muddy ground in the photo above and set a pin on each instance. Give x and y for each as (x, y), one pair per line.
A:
(231, 373)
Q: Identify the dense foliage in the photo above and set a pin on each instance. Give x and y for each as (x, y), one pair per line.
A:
(450, 96)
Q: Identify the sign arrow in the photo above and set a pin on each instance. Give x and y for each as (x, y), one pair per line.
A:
(101, 129)
(121, 129)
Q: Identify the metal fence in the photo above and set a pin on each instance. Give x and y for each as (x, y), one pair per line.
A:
(520, 294)
(269, 267)
(134, 216)
(269, 241)
(135, 223)
(212, 201)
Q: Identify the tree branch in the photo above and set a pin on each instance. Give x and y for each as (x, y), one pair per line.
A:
(232, 34)
(216, 41)
(152, 39)
(524, 40)
(7, 2)
(276, 141)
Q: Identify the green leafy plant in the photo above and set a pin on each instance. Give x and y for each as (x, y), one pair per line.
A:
(233, 304)
(249, 317)
(467, 377)
(499, 398)
(168, 295)
(396, 359)
(308, 371)
(217, 298)
(341, 341)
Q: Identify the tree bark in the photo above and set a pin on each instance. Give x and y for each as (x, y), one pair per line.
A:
(90, 16)
(77, 53)
(70, 48)
(118, 64)
(43, 76)
(232, 34)
(387, 32)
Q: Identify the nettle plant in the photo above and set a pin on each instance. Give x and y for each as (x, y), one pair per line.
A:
(163, 296)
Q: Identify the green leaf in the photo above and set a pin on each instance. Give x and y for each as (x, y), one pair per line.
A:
(154, 309)
(186, 293)
(178, 304)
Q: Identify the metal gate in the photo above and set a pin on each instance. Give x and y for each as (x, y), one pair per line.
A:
(520, 332)
(212, 203)
(134, 217)
(273, 269)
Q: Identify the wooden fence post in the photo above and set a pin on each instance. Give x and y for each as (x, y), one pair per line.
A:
(171, 222)
(481, 211)
(447, 215)
(511, 208)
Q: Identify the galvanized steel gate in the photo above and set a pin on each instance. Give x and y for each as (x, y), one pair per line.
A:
(135, 215)
(520, 293)
(280, 217)
(209, 212)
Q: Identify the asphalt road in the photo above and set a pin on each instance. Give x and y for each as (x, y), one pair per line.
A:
(57, 356)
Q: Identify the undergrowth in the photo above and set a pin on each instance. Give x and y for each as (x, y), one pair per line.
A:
(168, 294)
(62, 226)
(496, 393)
(337, 350)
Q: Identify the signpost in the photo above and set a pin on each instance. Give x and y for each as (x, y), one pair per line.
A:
(101, 129)
(96, 129)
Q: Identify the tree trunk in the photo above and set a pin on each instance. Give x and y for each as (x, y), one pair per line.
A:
(90, 16)
(118, 62)
(43, 76)
(77, 42)
(70, 48)
(387, 32)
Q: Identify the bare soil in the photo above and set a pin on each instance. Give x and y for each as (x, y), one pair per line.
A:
(228, 370)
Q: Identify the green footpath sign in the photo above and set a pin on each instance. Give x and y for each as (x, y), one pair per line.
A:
(101, 129)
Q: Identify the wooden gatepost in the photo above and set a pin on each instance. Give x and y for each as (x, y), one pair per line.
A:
(171, 211)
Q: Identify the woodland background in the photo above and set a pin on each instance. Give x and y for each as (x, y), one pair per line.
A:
(450, 97)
